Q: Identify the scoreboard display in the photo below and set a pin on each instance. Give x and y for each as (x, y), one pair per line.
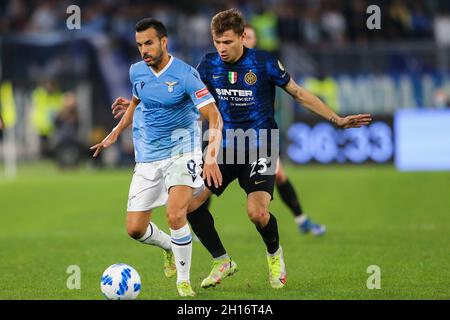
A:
(414, 139)
(321, 142)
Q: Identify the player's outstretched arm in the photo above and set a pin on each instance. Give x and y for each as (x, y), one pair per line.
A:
(111, 138)
(119, 107)
(211, 171)
(313, 103)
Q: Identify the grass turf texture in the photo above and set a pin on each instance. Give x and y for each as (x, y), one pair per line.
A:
(50, 220)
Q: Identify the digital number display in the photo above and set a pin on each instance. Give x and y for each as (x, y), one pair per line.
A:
(322, 142)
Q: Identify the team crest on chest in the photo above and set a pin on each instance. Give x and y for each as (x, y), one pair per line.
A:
(232, 77)
(250, 78)
(170, 85)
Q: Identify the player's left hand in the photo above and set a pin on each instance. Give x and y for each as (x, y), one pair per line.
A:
(109, 140)
(354, 121)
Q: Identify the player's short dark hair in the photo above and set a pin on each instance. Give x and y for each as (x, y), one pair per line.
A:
(148, 23)
(231, 19)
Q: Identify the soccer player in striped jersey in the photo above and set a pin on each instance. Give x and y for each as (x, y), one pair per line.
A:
(243, 80)
(282, 182)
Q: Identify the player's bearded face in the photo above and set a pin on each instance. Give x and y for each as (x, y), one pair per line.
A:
(150, 47)
(153, 59)
(229, 45)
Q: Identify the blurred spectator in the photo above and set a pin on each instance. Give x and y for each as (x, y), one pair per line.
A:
(442, 28)
(8, 114)
(44, 18)
(47, 101)
(333, 23)
(420, 21)
(289, 22)
(67, 145)
(265, 24)
(312, 32)
(441, 99)
(400, 19)
(355, 15)
(95, 18)
(1, 127)
(325, 87)
(15, 16)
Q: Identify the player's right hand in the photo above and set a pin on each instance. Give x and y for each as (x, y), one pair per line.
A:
(119, 107)
(354, 121)
(109, 140)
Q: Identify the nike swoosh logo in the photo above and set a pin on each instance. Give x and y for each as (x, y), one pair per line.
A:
(258, 182)
(217, 77)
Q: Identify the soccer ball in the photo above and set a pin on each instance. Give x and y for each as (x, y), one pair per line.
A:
(120, 282)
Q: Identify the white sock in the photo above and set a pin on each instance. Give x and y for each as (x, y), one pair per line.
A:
(156, 237)
(224, 256)
(182, 251)
(300, 219)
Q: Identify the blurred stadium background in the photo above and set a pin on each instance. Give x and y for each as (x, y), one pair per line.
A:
(57, 86)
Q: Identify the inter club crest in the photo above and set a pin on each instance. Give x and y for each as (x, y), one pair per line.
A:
(250, 78)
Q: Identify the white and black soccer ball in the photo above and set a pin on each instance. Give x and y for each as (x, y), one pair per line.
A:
(120, 282)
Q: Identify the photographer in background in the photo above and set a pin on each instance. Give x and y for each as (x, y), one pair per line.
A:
(66, 133)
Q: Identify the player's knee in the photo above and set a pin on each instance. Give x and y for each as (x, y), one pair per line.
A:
(176, 218)
(258, 214)
(135, 231)
(280, 178)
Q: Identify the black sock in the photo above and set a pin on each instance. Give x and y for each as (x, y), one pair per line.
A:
(270, 234)
(207, 203)
(202, 223)
(290, 198)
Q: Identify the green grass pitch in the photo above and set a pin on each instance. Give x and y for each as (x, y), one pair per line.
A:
(375, 215)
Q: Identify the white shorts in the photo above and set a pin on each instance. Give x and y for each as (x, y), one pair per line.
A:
(151, 181)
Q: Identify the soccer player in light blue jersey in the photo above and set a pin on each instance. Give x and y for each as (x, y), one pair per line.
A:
(168, 98)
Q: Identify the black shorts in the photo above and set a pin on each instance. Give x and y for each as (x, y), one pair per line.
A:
(255, 171)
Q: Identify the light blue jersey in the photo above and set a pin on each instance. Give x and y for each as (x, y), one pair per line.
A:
(165, 122)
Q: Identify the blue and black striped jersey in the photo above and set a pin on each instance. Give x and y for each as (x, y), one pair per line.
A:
(245, 90)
